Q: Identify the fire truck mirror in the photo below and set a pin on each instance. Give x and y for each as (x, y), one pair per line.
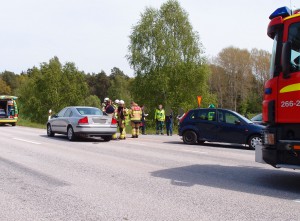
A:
(286, 59)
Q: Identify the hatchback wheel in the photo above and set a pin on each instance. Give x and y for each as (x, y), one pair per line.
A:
(255, 141)
(189, 137)
(49, 131)
(70, 133)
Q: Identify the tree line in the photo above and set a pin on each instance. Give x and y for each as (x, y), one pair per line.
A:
(169, 67)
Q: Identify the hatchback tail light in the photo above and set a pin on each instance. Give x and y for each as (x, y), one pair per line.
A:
(184, 116)
(84, 120)
(114, 121)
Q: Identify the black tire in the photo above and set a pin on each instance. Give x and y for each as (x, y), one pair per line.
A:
(201, 141)
(70, 134)
(107, 138)
(254, 141)
(189, 137)
(49, 131)
(13, 124)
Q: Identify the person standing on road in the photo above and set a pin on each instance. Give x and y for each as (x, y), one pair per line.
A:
(108, 108)
(135, 117)
(110, 111)
(143, 121)
(169, 123)
(122, 113)
(160, 119)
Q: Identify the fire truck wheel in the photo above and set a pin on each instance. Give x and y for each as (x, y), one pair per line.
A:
(254, 141)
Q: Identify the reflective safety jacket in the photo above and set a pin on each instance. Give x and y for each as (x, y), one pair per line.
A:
(160, 115)
(135, 113)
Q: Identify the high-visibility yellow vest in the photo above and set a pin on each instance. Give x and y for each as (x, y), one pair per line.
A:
(160, 115)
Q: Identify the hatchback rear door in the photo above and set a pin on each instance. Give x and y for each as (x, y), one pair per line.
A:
(205, 122)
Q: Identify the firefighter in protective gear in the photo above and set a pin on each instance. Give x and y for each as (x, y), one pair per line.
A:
(122, 112)
(116, 105)
(160, 117)
(135, 117)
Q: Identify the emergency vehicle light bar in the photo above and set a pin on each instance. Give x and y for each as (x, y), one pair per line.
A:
(283, 12)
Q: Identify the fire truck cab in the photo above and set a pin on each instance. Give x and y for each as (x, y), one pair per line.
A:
(281, 105)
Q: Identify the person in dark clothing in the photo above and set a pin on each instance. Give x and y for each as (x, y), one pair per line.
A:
(143, 120)
(169, 123)
(109, 109)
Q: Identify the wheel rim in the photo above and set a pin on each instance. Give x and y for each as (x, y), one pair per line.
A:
(188, 138)
(255, 141)
(70, 133)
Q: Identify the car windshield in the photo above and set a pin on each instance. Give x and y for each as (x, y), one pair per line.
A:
(257, 118)
(89, 111)
(244, 118)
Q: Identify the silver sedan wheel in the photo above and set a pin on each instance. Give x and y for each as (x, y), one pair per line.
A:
(70, 133)
(49, 131)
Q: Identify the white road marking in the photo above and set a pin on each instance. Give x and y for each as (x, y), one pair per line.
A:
(28, 141)
(297, 201)
(194, 151)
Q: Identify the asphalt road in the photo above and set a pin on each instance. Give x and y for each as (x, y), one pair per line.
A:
(149, 178)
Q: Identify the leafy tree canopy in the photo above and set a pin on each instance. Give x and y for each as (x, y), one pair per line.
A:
(165, 54)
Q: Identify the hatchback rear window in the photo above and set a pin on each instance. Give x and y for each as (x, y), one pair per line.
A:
(89, 111)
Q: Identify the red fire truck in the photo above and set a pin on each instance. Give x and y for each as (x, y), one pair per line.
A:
(281, 105)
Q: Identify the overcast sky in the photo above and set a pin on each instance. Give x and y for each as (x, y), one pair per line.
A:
(94, 33)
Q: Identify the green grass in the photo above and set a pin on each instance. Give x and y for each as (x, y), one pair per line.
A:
(28, 123)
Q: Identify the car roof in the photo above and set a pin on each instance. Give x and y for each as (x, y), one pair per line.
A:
(81, 107)
(207, 108)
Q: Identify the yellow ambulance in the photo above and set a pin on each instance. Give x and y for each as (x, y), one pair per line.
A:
(8, 110)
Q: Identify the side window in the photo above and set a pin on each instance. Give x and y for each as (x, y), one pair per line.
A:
(230, 118)
(62, 112)
(192, 116)
(221, 116)
(205, 114)
(67, 113)
(294, 38)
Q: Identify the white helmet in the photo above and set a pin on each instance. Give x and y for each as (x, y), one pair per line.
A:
(121, 102)
(106, 99)
(117, 101)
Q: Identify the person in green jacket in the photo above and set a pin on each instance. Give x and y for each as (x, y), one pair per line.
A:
(160, 119)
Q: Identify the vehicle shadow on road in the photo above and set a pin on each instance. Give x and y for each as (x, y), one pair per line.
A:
(254, 180)
(232, 146)
(63, 138)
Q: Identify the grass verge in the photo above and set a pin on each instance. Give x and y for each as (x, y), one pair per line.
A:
(28, 123)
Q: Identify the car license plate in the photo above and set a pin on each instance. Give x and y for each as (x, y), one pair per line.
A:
(99, 121)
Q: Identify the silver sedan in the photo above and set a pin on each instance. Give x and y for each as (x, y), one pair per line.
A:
(82, 121)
